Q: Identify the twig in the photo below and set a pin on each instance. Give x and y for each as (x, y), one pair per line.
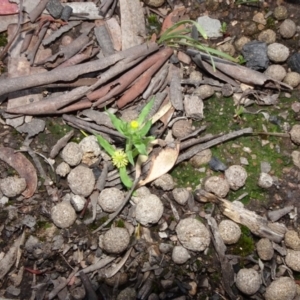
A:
(61, 143)
(91, 295)
(98, 265)
(192, 142)
(115, 269)
(37, 11)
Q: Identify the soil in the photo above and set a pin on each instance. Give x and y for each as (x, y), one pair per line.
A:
(202, 269)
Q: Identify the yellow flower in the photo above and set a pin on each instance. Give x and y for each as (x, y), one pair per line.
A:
(134, 124)
(119, 159)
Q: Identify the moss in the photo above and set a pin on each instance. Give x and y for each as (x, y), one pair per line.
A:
(43, 224)
(98, 223)
(3, 39)
(153, 24)
(120, 223)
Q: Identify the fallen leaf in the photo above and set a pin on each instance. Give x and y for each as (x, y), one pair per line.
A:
(162, 163)
(23, 166)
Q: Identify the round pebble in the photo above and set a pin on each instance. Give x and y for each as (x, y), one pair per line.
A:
(282, 288)
(90, 150)
(292, 240)
(165, 182)
(110, 199)
(241, 42)
(204, 91)
(149, 210)
(292, 259)
(278, 53)
(248, 281)
(181, 195)
(265, 180)
(292, 79)
(217, 185)
(295, 134)
(201, 158)
(180, 255)
(192, 234)
(140, 193)
(81, 181)
(127, 294)
(78, 202)
(268, 36)
(154, 3)
(280, 13)
(116, 240)
(63, 169)
(12, 186)
(181, 128)
(276, 72)
(72, 154)
(63, 215)
(229, 231)
(227, 48)
(287, 29)
(236, 176)
(265, 249)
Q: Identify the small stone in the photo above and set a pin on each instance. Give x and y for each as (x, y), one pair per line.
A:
(78, 202)
(268, 36)
(227, 48)
(81, 181)
(129, 115)
(281, 288)
(236, 176)
(110, 199)
(280, 13)
(292, 79)
(118, 279)
(116, 240)
(278, 53)
(204, 91)
(63, 215)
(265, 180)
(287, 29)
(294, 62)
(149, 210)
(276, 72)
(90, 149)
(12, 186)
(239, 44)
(201, 158)
(259, 18)
(292, 259)
(31, 243)
(249, 27)
(217, 185)
(292, 240)
(216, 164)
(72, 154)
(196, 76)
(181, 128)
(127, 294)
(248, 281)
(296, 158)
(140, 193)
(212, 27)
(165, 248)
(154, 3)
(265, 249)
(193, 107)
(180, 255)
(255, 53)
(181, 195)
(192, 234)
(165, 182)
(229, 231)
(295, 134)
(63, 169)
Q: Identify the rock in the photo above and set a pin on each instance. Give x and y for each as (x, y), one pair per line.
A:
(295, 134)
(236, 176)
(239, 43)
(278, 53)
(292, 240)
(248, 281)
(204, 91)
(265, 249)
(259, 18)
(193, 107)
(294, 62)
(216, 165)
(63, 169)
(282, 288)
(140, 193)
(229, 231)
(72, 154)
(63, 215)
(181, 128)
(129, 115)
(287, 29)
(116, 240)
(154, 3)
(249, 27)
(78, 202)
(165, 248)
(31, 243)
(265, 180)
(212, 27)
(280, 13)
(110, 199)
(276, 72)
(165, 182)
(127, 294)
(267, 36)
(181, 195)
(81, 181)
(201, 158)
(227, 48)
(196, 76)
(292, 79)
(192, 234)
(90, 149)
(12, 186)
(296, 158)
(118, 279)
(255, 53)
(149, 210)
(180, 255)
(292, 259)
(217, 185)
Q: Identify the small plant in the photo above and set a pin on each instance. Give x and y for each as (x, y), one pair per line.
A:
(239, 2)
(136, 141)
(241, 59)
(223, 28)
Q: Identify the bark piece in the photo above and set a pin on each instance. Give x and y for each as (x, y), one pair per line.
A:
(104, 39)
(176, 96)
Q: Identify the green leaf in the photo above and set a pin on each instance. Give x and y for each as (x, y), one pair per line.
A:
(125, 178)
(130, 157)
(106, 145)
(144, 130)
(141, 148)
(145, 111)
(118, 123)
